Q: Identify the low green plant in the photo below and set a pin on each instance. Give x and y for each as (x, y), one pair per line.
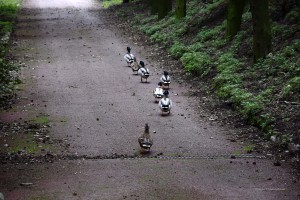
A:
(177, 49)
(196, 62)
(108, 3)
(41, 120)
(8, 71)
(248, 148)
(207, 34)
(9, 9)
(292, 87)
(293, 15)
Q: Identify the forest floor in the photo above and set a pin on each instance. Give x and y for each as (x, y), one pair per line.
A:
(72, 133)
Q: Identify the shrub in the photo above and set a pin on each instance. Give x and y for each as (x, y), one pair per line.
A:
(196, 62)
(177, 49)
(292, 87)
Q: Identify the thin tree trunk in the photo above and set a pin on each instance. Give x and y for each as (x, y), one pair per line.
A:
(154, 6)
(261, 28)
(165, 6)
(180, 9)
(234, 17)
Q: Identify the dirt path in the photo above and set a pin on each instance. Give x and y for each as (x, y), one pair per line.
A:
(98, 107)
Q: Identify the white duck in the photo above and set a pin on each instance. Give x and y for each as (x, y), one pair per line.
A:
(165, 104)
(129, 57)
(145, 141)
(165, 79)
(158, 93)
(143, 71)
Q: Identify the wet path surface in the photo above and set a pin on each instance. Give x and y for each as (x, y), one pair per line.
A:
(98, 107)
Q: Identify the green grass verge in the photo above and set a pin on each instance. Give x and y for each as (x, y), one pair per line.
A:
(8, 71)
(108, 3)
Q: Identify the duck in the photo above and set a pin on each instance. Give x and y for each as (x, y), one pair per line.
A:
(165, 79)
(135, 66)
(165, 104)
(158, 93)
(143, 71)
(129, 57)
(145, 141)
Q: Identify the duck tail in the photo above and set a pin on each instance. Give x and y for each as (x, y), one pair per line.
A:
(146, 128)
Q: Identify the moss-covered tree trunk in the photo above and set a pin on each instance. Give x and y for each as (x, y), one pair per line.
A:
(261, 28)
(165, 6)
(234, 17)
(154, 6)
(180, 9)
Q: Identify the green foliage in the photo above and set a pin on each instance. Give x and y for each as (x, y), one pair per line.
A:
(293, 15)
(108, 3)
(211, 33)
(177, 49)
(248, 148)
(8, 9)
(8, 71)
(5, 27)
(196, 62)
(210, 7)
(150, 30)
(247, 16)
(292, 87)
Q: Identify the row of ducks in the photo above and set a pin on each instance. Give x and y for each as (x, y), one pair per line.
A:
(160, 93)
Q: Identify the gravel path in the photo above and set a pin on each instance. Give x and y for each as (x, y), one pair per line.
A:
(98, 107)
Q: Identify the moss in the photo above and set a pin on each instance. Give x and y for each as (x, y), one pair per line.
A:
(40, 120)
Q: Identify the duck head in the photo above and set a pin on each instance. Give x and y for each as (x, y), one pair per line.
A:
(142, 63)
(128, 49)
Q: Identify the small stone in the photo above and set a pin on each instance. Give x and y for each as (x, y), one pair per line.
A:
(26, 184)
(277, 163)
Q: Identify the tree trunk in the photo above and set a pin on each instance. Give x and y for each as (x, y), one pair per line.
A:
(261, 28)
(125, 1)
(234, 17)
(154, 6)
(165, 6)
(180, 9)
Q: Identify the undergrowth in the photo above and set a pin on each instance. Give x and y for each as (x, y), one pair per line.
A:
(108, 3)
(8, 71)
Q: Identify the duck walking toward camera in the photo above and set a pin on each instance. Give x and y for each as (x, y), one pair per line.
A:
(143, 71)
(158, 93)
(129, 57)
(165, 104)
(145, 141)
(165, 79)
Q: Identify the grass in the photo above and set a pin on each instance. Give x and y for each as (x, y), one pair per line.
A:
(8, 71)
(26, 142)
(108, 3)
(40, 120)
